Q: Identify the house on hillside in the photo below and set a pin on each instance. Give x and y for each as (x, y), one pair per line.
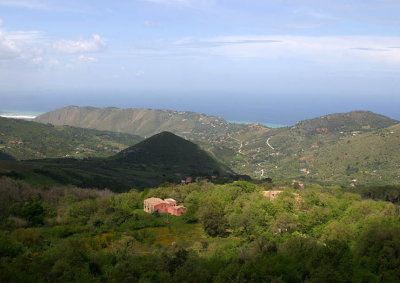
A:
(168, 205)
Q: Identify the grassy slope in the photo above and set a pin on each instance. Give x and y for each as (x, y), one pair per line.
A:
(370, 158)
(143, 122)
(31, 140)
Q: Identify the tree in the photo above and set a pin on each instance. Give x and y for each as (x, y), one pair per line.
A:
(33, 212)
(191, 214)
(213, 217)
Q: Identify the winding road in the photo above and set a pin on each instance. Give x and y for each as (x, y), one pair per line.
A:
(269, 144)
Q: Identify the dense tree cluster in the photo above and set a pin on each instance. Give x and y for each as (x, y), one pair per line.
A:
(231, 232)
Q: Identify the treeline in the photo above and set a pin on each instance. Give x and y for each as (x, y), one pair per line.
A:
(230, 233)
(385, 193)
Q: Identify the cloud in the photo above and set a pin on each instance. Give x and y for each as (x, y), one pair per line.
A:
(369, 49)
(1, 22)
(49, 5)
(320, 16)
(191, 42)
(33, 5)
(24, 50)
(84, 58)
(19, 44)
(324, 49)
(95, 44)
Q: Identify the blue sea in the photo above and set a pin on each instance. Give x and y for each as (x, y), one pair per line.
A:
(269, 125)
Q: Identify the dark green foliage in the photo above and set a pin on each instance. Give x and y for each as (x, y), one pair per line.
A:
(213, 217)
(9, 247)
(5, 156)
(191, 215)
(379, 250)
(33, 212)
(385, 193)
(318, 234)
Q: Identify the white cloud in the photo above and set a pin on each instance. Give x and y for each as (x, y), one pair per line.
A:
(1, 22)
(49, 5)
(8, 48)
(95, 44)
(324, 50)
(34, 5)
(19, 44)
(84, 58)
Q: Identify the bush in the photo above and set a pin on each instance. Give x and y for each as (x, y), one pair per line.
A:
(33, 212)
(9, 247)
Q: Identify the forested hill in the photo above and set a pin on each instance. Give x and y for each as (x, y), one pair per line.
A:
(346, 122)
(142, 122)
(32, 140)
(169, 150)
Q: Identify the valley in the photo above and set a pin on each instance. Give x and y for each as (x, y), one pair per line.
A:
(331, 149)
(289, 204)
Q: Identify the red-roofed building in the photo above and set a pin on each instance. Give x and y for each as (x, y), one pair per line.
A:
(163, 206)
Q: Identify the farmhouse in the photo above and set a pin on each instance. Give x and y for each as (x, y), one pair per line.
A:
(163, 206)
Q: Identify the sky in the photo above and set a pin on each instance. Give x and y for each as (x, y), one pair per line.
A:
(277, 61)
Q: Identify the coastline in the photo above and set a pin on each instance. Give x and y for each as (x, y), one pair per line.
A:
(19, 114)
(269, 125)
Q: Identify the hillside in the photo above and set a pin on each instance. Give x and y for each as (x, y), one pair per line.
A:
(5, 156)
(32, 140)
(317, 234)
(311, 150)
(162, 158)
(172, 151)
(346, 148)
(142, 122)
(346, 122)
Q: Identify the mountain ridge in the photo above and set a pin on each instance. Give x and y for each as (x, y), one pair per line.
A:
(304, 151)
(139, 121)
